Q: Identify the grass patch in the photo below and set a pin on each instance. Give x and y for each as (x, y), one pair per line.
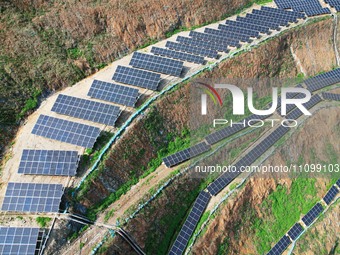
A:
(30, 104)
(43, 221)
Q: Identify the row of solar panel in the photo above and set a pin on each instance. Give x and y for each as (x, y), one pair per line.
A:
(334, 3)
(331, 96)
(310, 7)
(323, 80)
(308, 219)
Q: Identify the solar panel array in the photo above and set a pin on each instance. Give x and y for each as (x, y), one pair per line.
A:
(186, 154)
(136, 77)
(113, 93)
(312, 214)
(247, 25)
(296, 113)
(190, 224)
(229, 35)
(156, 64)
(331, 96)
(250, 33)
(215, 38)
(178, 55)
(66, 131)
(331, 194)
(281, 246)
(295, 231)
(334, 3)
(310, 7)
(323, 80)
(86, 109)
(18, 240)
(192, 49)
(48, 162)
(32, 197)
(259, 22)
(202, 44)
(221, 182)
(229, 131)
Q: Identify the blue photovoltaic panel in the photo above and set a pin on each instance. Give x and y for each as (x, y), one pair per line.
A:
(221, 182)
(331, 194)
(178, 55)
(244, 31)
(18, 240)
(283, 18)
(338, 183)
(192, 49)
(312, 214)
(295, 231)
(186, 154)
(284, 12)
(190, 224)
(66, 131)
(334, 3)
(323, 80)
(32, 197)
(202, 44)
(48, 162)
(281, 246)
(252, 18)
(136, 77)
(215, 39)
(331, 96)
(113, 93)
(310, 7)
(228, 35)
(296, 112)
(156, 64)
(246, 25)
(86, 109)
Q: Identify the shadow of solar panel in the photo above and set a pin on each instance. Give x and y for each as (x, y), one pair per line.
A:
(156, 64)
(281, 246)
(221, 182)
(113, 93)
(312, 214)
(186, 154)
(229, 35)
(215, 38)
(323, 80)
(66, 131)
(295, 231)
(136, 77)
(203, 44)
(331, 96)
(178, 55)
(86, 109)
(229, 131)
(32, 197)
(240, 30)
(243, 24)
(48, 162)
(331, 194)
(192, 49)
(190, 224)
(18, 240)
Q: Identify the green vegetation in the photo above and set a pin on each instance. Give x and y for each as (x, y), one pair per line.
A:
(30, 104)
(286, 207)
(43, 221)
(76, 234)
(223, 248)
(81, 245)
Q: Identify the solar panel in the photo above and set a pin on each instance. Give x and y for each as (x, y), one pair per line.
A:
(231, 130)
(32, 197)
(283, 12)
(251, 26)
(192, 49)
(312, 214)
(156, 64)
(281, 246)
(252, 18)
(203, 44)
(48, 162)
(18, 240)
(86, 109)
(310, 7)
(334, 3)
(140, 78)
(280, 17)
(273, 19)
(331, 96)
(215, 38)
(296, 113)
(178, 55)
(66, 131)
(229, 35)
(323, 80)
(248, 32)
(113, 93)
(186, 154)
(190, 224)
(295, 231)
(221, 182)
(331, 194)
(338, 183)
